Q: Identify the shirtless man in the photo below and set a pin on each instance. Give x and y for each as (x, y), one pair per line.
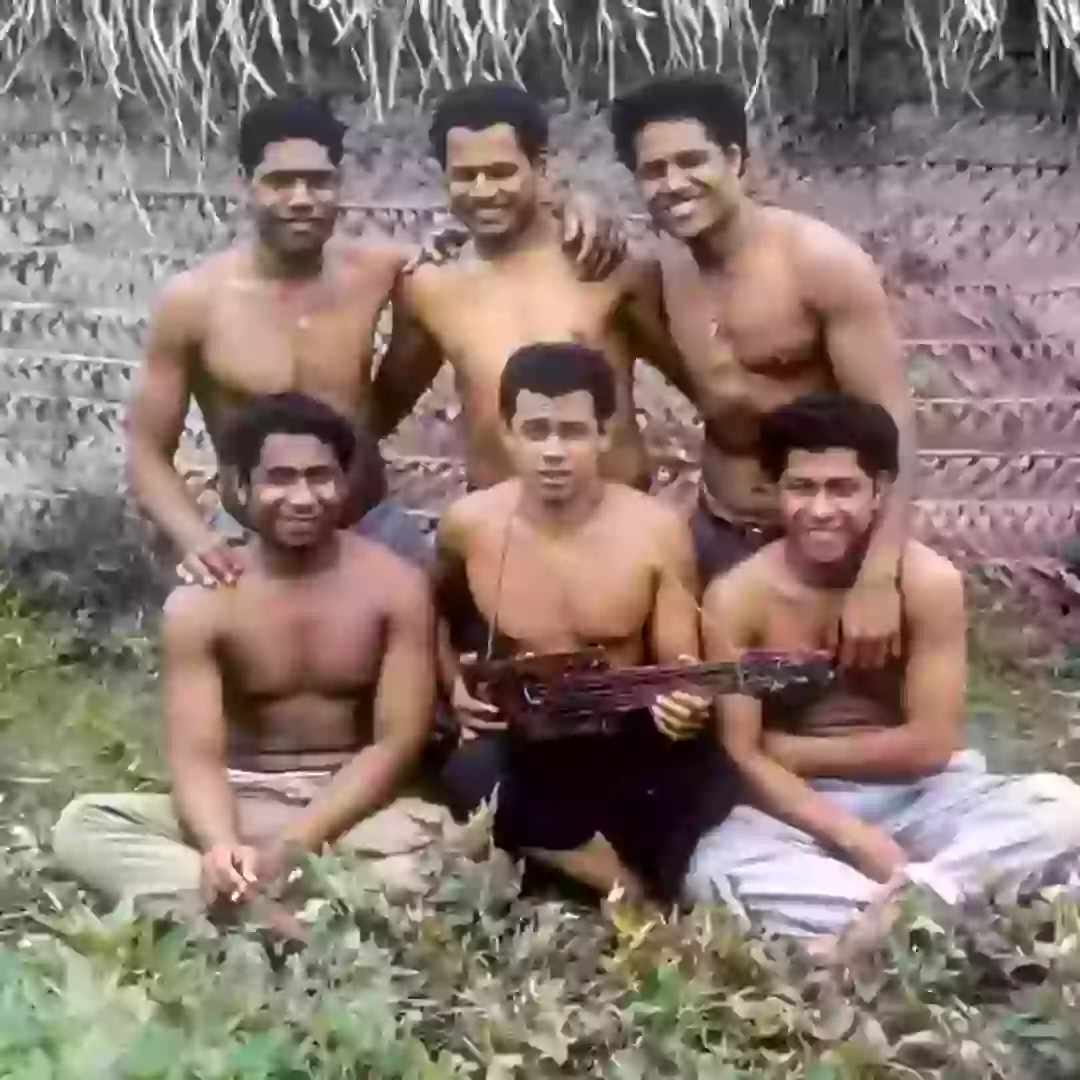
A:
(518, 288)
(286, 309)
(764, 305)
(867, 786)
(296, 701)
(556, 560)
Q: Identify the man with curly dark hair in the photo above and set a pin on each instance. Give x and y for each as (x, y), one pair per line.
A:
(764, 304)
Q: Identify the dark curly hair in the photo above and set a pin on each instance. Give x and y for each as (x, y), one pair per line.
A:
(291, 117)
(483, 105)
(704, 97)
(824, 421)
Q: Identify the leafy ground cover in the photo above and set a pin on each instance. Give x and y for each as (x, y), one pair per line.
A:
(463, 978)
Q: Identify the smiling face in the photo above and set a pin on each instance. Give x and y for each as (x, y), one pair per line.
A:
(827, 504)
(296, 491)
(690, 184)
(556, 444)
(492, 186)
(295, 192)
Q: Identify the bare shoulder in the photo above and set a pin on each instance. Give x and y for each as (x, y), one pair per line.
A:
(184, 299)
(648, 515)
(744, 587)
(428, 282)
(928, 580)
(823, 254)
(640, 275)
(383, 254)
(191, 616)
(368, 563)
(483, 509)
(372, 262)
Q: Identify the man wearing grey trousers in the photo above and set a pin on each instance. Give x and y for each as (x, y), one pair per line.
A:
(861, 789)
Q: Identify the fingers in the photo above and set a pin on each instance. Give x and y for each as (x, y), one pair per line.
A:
(479, 724)
(478, 715)
(194, 571)
(612, 251)
(441, 247)
(216, 565)
(223, 564)
(242, 873)
(246, 861)
(680, 715)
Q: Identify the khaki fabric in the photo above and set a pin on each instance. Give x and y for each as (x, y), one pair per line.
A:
(132, 849)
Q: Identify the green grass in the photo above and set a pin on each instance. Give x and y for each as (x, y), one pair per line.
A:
(465, 979)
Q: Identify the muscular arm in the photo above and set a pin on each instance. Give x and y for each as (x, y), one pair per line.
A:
(642, 321)
(866, 356)
(675, 621)
(935, 679)
(727, 629)
(449, 581)
(157, 413)
(195, 719)
(404, 704)
(409, 365)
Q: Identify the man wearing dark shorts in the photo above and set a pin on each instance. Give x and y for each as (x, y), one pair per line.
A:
(556, 560)
(720, 543)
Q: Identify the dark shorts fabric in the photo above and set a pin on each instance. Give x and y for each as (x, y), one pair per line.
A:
(651, 798)
(720, 544)
(471, 771)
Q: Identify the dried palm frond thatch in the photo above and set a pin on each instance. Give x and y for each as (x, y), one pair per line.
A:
(194, 57)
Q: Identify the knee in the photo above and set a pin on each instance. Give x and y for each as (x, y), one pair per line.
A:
(81, 818)
(1055, 802)
(708, 876)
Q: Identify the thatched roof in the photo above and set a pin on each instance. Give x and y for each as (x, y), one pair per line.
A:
(196, 61)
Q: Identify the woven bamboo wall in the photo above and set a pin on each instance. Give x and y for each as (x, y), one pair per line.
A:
(976, 220)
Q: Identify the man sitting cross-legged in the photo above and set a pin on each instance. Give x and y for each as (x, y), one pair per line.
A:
(556, 560)
(296, 701)
(865, 786)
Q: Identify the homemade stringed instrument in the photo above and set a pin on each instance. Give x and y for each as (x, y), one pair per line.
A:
(556, 695)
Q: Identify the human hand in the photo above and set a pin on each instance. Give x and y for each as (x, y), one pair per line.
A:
(868, 633)
(442, 246)
(210, 563)
(681, 715)
(229, 871)
(596, 243)
(876, 854)
(473, 714)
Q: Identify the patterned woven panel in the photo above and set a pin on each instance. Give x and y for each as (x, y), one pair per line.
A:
(978, 242)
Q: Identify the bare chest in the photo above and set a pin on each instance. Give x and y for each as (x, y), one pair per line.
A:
(747, 335)
(856, 699)
(277, 647)
(554, 597)
(322, 346)
(480, 318)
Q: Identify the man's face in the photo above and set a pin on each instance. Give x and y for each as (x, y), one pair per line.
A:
(295, 193)
(556, 445)
(827, 504)
(491, 185)
(296, 491)
(689, 183)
